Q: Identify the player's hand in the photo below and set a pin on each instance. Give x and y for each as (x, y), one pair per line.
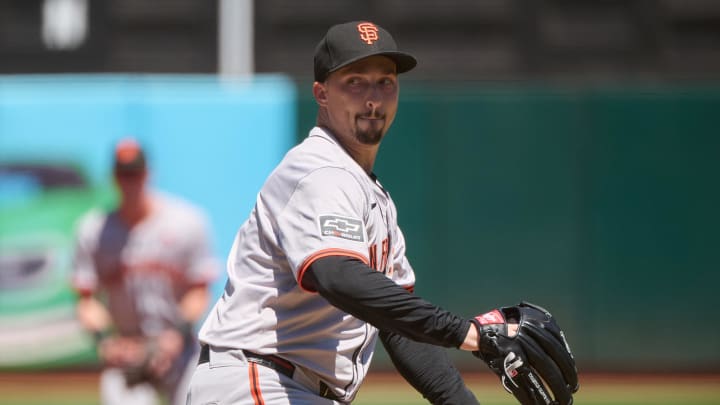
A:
(513, 329)
(167, 347)
(118, 351)
(533, 358)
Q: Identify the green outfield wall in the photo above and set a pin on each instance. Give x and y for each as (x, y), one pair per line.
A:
(600, 203)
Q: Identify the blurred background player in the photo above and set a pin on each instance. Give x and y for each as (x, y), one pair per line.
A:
(142, 272)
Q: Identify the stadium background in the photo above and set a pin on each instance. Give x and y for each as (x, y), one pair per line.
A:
(563, 152)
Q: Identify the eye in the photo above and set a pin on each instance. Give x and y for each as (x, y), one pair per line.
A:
(356, 84)
(387, 82)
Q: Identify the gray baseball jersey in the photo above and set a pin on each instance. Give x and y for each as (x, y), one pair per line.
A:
(144, 270)
(317, 202)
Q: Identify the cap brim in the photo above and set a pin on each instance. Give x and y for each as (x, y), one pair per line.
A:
(404, 61)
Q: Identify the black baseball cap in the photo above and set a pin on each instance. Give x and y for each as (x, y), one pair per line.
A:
(129, 157)
(349, 42)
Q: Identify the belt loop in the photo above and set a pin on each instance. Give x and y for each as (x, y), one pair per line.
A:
(204, 354)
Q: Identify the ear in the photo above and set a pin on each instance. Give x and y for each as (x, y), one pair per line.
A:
(320, 94)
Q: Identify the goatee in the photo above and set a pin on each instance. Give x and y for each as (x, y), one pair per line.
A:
(370, 136)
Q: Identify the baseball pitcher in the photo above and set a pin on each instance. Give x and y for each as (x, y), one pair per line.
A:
(318, 273)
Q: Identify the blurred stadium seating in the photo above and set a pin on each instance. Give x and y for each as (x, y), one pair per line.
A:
(454, 39)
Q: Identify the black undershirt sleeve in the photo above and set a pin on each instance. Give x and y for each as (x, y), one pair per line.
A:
(350, 285)
(411, 329)
(428, 369)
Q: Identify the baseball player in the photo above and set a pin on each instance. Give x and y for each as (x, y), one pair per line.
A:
(142, 273)
(318, 272)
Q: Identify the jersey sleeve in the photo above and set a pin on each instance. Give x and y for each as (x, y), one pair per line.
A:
(84, 278)
(324, 217)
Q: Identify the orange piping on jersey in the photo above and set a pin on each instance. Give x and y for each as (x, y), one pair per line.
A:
(325, 253)
(255, 384)
(172, 272)
(410, 288)
(154, 266)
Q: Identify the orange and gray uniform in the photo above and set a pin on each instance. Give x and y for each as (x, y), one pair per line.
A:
(316, 275)
(142, 272)
(317, 203)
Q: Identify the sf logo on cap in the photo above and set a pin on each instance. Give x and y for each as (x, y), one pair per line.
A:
(368, 32)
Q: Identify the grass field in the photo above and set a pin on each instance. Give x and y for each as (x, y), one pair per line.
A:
(595, 390)
(388, 389)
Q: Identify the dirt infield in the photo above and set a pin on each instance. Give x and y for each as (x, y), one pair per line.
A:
(49, 388)
(80, 388)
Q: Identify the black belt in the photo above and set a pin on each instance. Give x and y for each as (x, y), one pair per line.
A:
(276, 363)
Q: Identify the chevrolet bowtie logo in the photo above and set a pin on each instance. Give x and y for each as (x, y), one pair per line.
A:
(342, 227)
(341, 224)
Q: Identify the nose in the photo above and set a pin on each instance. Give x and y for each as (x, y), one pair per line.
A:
(374, 99)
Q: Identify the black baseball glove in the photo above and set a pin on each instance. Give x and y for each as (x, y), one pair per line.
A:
(139, 372)
(535, 364)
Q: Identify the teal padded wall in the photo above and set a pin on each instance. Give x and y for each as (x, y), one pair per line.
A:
(212, 141)
(599, 203)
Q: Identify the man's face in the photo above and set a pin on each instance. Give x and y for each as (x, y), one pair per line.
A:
(362, 99)
(131, 183)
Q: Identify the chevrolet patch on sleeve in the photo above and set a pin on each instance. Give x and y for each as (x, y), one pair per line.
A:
(342, 227)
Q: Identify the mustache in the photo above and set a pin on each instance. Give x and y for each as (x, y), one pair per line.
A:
(372, 115)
